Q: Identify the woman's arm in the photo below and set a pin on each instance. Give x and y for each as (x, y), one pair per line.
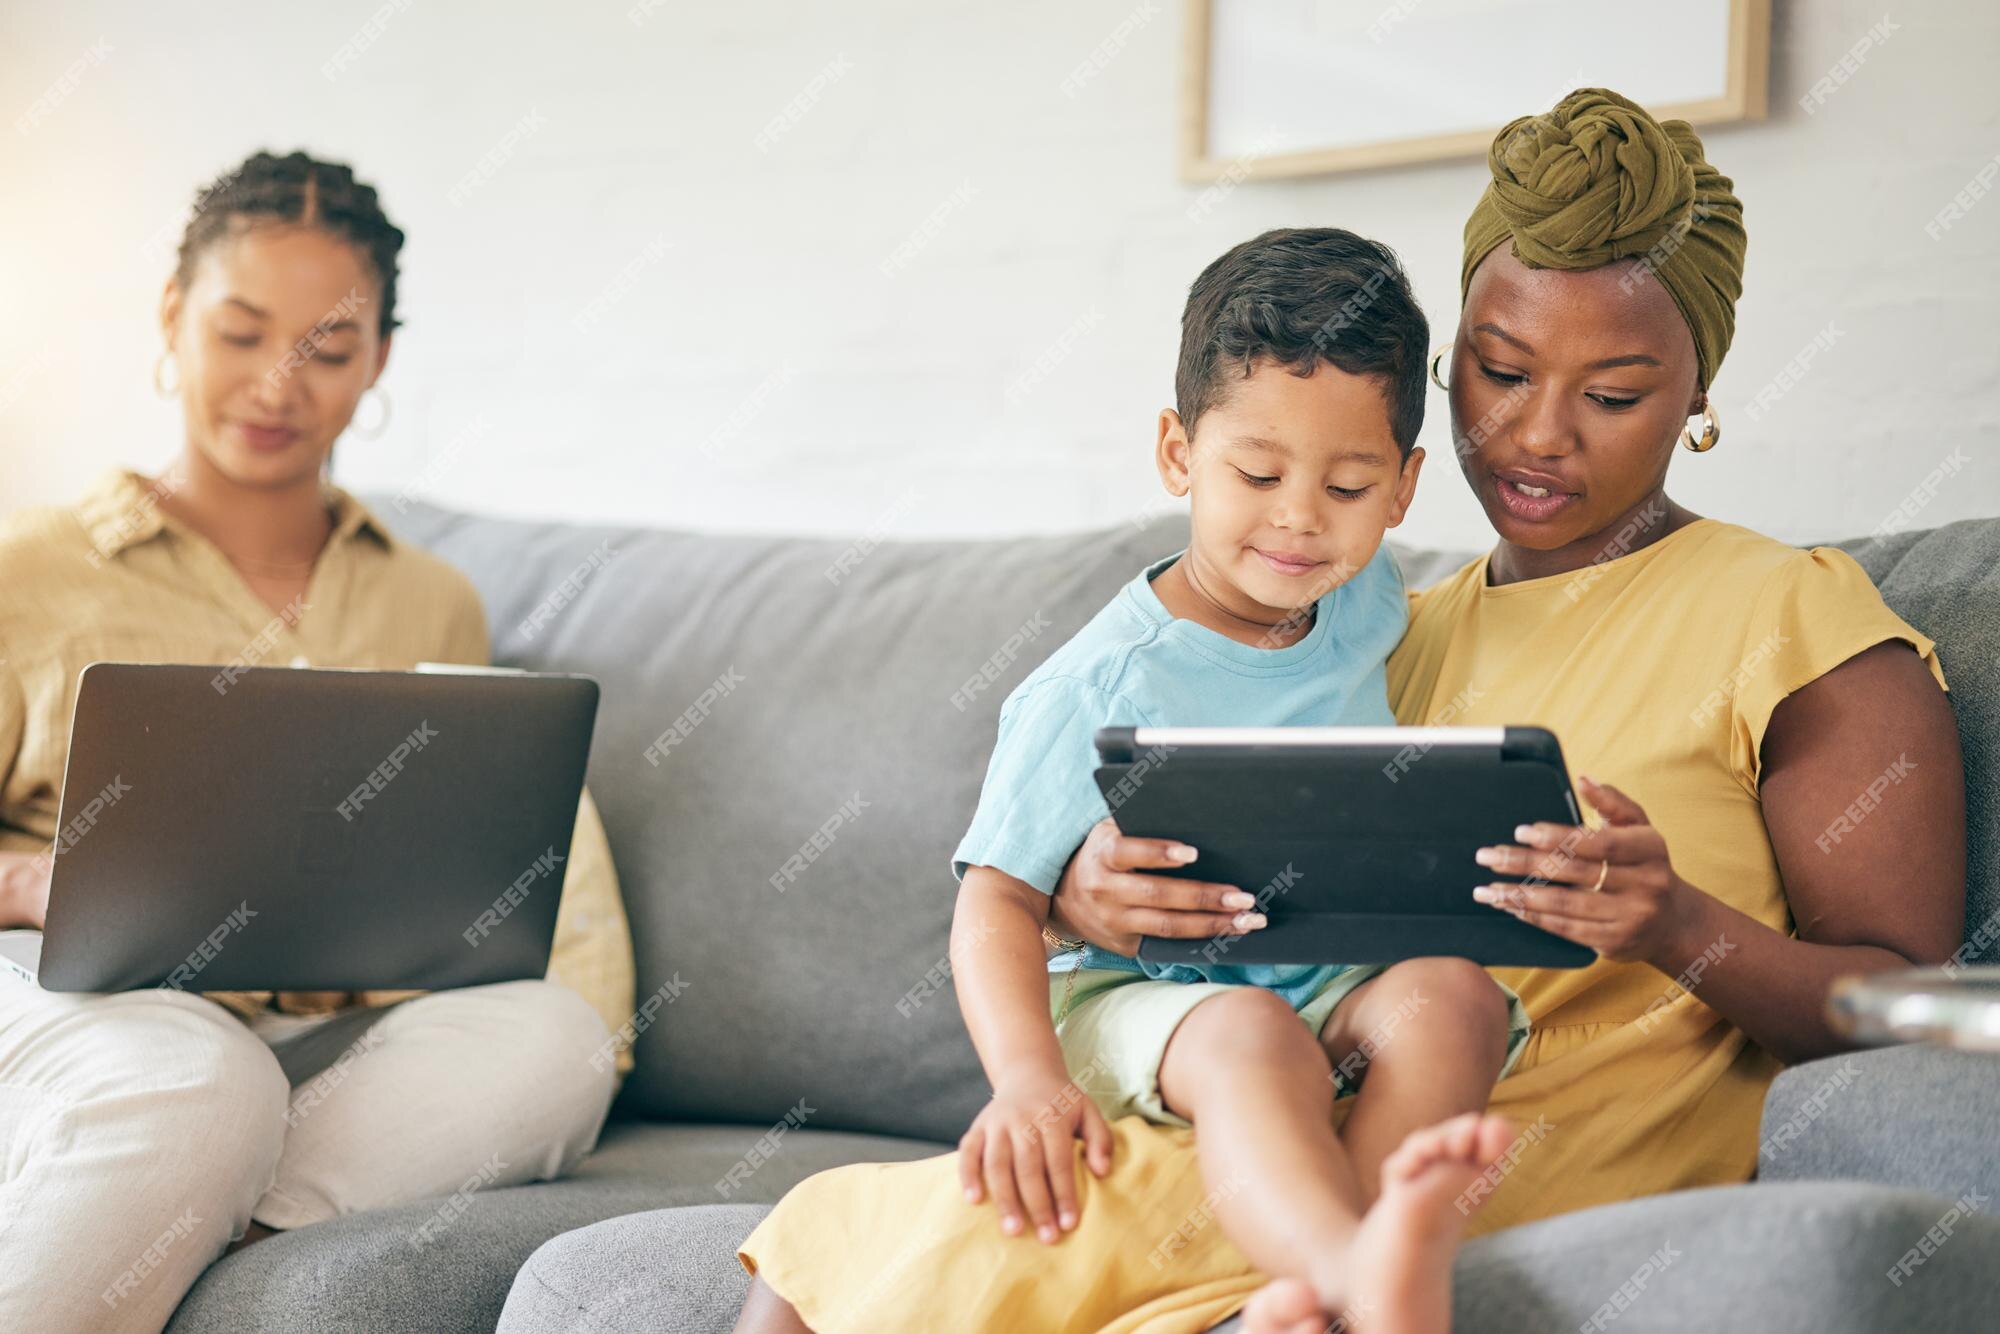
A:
(1886, 890)
(1863, 791)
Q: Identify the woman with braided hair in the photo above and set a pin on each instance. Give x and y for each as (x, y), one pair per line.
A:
(1740, 693)
(146, 1131)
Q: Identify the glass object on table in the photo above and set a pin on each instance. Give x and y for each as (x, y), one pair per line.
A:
(1950, 1006)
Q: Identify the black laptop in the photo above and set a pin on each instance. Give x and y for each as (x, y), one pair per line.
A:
(299, 829)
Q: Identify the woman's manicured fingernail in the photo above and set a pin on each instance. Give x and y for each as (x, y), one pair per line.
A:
(1525, 833)
(1046, 1232)
(1010, 1225)
(1487, 856)
(1181, 852)
(1485, 894)
(1247, 921)
(972, 1194)
(1068, 1221)
(1237, 898)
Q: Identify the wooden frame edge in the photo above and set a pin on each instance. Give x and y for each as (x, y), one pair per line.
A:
(1745, 97)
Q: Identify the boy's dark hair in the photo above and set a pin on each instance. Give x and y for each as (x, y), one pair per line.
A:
(296, 190)
(1299, 296)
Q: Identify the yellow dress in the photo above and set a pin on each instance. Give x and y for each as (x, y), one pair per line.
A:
(1658, 672)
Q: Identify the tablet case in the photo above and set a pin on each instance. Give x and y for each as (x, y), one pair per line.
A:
(1358, 842)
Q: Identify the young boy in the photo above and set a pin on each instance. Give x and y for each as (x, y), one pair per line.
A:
(1299, 395)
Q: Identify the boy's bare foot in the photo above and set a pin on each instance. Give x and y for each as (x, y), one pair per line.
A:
(1395, 1276)
(1285, 1306)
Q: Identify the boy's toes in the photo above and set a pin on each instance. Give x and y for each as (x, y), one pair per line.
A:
(1494, 1135)
(1474, 1139)
(1421, 1148)
(1285, 1306)
(1460, 1135)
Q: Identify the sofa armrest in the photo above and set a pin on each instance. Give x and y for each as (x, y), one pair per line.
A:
(1918, 1116)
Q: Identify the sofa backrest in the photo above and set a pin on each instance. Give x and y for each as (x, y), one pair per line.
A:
(791, 740)
(789, 744)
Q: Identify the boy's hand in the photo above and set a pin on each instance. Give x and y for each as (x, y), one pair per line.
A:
(1106, 897)
(1020, 1150)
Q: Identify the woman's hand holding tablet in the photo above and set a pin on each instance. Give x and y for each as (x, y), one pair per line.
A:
(1632, 903)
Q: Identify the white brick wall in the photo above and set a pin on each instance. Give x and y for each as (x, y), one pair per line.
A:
(762, 370)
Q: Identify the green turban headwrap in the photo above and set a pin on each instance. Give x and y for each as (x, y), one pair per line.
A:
(1598, 179)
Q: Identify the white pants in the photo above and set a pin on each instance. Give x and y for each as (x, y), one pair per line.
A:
(141, 1132)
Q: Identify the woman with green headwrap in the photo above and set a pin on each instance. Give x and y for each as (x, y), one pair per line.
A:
(1739, 693)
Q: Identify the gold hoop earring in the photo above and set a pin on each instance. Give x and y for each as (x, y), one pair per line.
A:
(1711, 431)
(381, 424)
(1437, 357)
(160, 386)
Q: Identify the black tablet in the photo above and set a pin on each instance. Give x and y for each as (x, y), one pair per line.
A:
(1357, 841)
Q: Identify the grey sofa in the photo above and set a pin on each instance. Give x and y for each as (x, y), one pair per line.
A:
(791, 740)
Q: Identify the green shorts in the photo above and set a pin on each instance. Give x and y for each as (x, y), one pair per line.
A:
(1118, 1023)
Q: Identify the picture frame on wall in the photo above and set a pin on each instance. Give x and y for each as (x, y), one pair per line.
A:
(1284, 88)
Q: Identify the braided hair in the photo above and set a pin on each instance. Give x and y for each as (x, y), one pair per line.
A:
(296, 190)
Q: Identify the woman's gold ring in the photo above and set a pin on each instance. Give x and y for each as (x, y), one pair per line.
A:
(1603, 869)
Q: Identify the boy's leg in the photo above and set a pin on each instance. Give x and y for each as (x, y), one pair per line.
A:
(1431, 1036)
(1399, 1263)
(1259, 1089)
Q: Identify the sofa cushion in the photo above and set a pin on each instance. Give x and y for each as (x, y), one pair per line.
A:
(361, 1275)
(1917, 1116)
(670, 1269)
(1800, 1257)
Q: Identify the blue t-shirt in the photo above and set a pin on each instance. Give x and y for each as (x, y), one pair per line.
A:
(1135, 664)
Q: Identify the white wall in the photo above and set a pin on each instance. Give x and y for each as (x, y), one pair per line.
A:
(760, 369)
